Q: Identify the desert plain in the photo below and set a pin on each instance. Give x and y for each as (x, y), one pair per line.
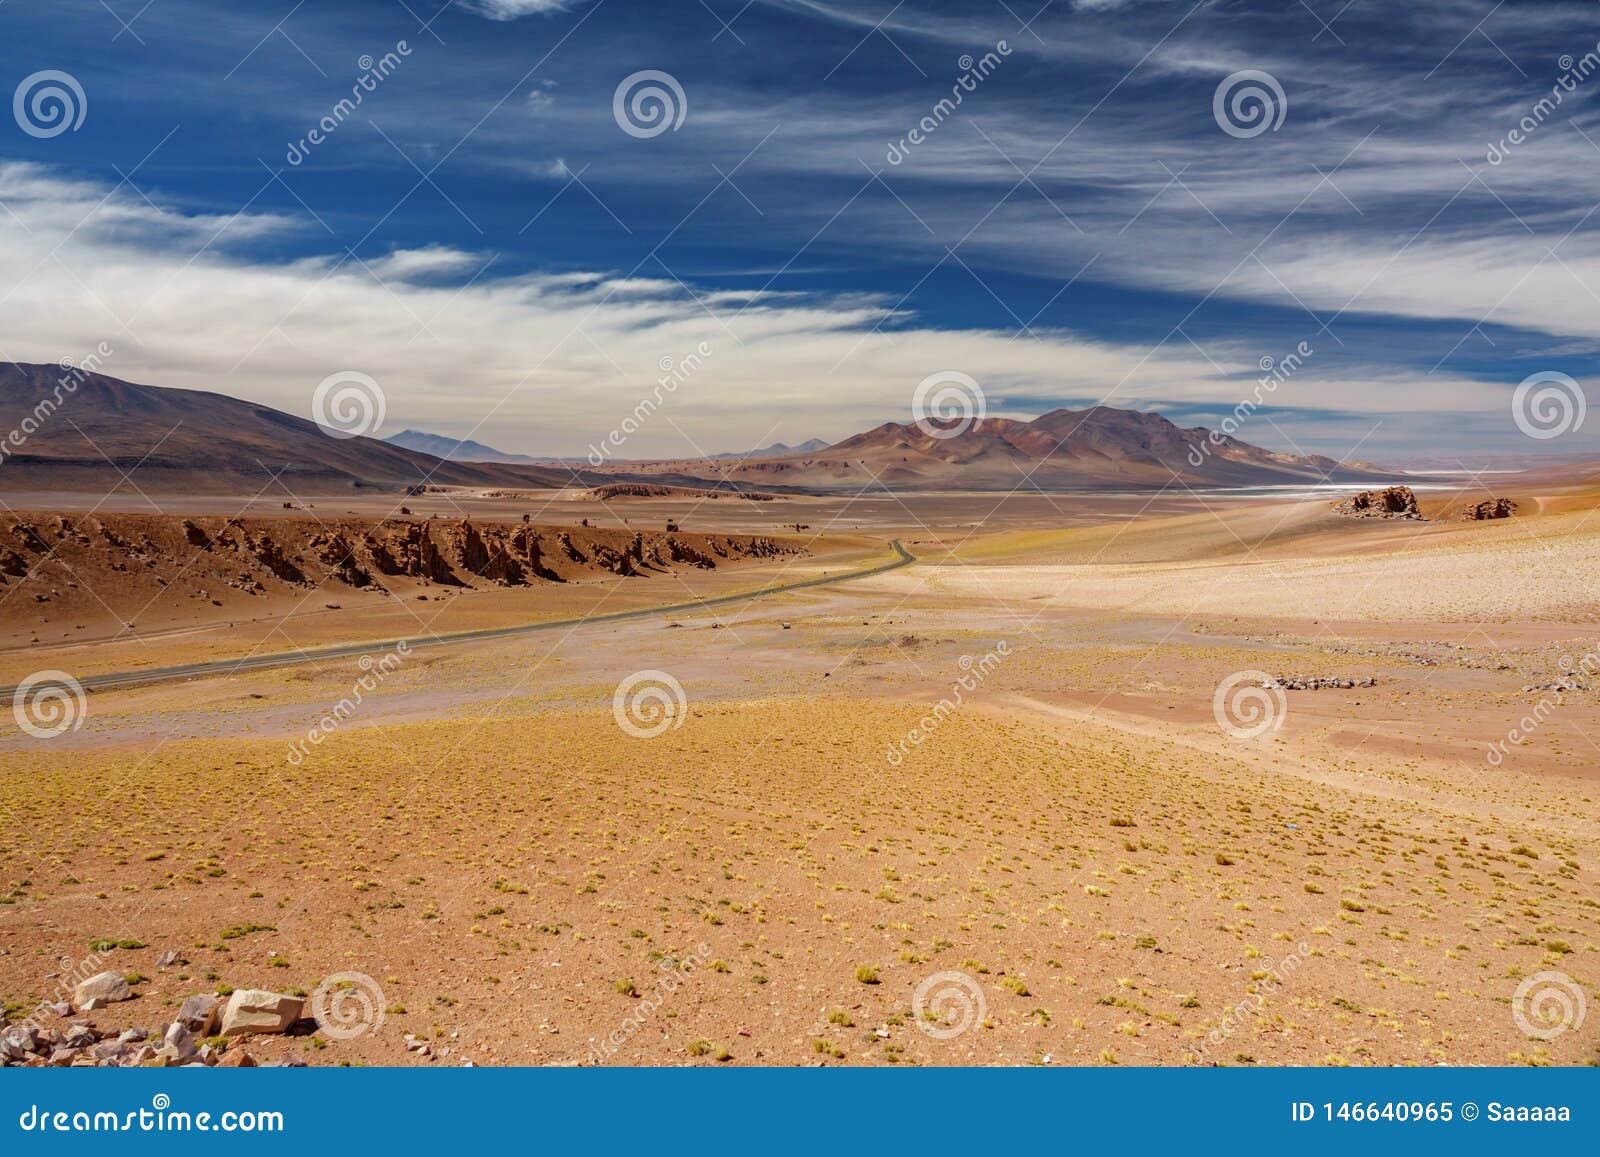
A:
(1023, 801)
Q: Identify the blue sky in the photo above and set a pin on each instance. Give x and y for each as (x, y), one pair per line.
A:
(485, 240)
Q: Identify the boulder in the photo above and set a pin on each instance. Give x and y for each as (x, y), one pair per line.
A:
(18, 1041)
(179, 1040)
(256, 1010)
(101, 990)
(199, 1013)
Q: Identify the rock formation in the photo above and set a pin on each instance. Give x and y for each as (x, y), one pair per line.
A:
(1489, 508)
(79, 571)
(1391, 502)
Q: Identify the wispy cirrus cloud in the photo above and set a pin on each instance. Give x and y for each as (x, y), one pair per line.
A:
(1082, 200)
(545, 362)
(513, 9)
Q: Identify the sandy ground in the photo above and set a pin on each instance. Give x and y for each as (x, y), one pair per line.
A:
(1308, 566)
(1080, 859)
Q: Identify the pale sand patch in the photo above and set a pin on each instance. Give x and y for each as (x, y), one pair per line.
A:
(1543, 578)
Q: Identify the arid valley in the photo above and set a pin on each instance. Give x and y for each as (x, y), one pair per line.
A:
(597, 574)
(1176, 776)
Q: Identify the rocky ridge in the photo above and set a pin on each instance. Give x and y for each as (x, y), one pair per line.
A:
(76, 569)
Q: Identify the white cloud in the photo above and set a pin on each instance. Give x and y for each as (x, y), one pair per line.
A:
(545, 362)
(431, 260)
(513, 9)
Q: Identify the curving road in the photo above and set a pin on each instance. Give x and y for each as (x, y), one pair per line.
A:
(291, 658)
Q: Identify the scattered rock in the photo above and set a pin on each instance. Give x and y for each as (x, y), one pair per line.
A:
(1297, 683)
(1569, 683)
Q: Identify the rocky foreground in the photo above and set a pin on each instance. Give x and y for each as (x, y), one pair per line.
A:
(208, 1030)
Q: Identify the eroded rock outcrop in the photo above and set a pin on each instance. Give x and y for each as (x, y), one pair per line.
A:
(334, 550)
(184, 566)
(408, 549)
(1390, 502)
(269, 554)
(1489, 508)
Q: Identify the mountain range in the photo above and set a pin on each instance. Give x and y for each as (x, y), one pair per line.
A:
(105, 432)
(108, 432)
(466, 450)
(1096, 448)
(454, 449)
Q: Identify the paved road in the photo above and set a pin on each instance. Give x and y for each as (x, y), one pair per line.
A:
(291, 658)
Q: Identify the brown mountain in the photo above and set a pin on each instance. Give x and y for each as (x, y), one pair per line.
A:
(192, 441)
(171, 440)
(1097, 448)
